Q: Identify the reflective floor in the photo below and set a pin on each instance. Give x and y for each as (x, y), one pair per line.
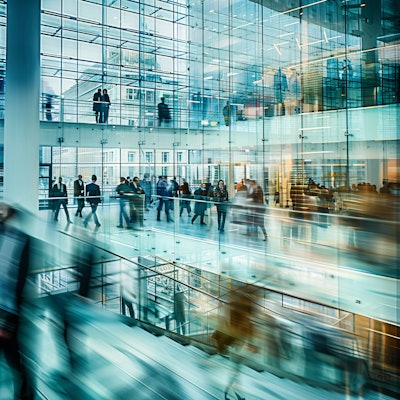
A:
(312, 259)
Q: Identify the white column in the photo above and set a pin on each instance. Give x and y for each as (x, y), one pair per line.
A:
(22, 93)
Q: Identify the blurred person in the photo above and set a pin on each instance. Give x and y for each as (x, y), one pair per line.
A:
(48, 107)
(200, 206)
(239, 206)
(385, 188)
(60, 191)
(97, 105)
(53, 202)
(105, 107)
(129, 182)
(93, 198)
(163, 201)
(185, 193)
(14, 264)
(124, 192)
(241, 186)
(257, 208)
(372, 220)
(221, 197)
(79, 194)
(179, 310)
(172, 191)
(138, 201)
(226, 112)
(163, 112)
(235, 333)
(129, 287)
(146, 185)
(280, 89)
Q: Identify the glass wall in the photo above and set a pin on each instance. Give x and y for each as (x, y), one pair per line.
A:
(287, 92)
(269, 59)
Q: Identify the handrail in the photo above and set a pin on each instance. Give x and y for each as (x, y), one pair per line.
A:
(204, 327)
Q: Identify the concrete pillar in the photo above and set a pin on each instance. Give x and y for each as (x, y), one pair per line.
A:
(22, 92)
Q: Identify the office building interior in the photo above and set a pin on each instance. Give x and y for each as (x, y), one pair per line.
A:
(297, 100)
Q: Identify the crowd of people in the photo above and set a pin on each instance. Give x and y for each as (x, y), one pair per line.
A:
(246, 207)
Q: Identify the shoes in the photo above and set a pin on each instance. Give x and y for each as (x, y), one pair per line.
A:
(189, 215)
(203, 223)
(221, 231)
(158, 219)
(76, 214)
(55, 219)
(98, 225)
(80, 214)
(69, 222)
(192, 221)
(265, 237)
(85, 224)
(119, 226)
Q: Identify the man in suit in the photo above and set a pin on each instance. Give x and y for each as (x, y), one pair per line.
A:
(124, 192)
(79, 191)
(163, 112)
(60, 191)
(138, 201)
(97, 105)
(93, 198)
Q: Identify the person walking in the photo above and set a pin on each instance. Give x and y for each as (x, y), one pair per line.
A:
(93, 198)
(105, 106)
(97, 105)
(221, 198)
(79, 194)
(200, 205)
(236, 335)
(172, 192)
(145, 183)
(162, 193)
(257, 208)
(60, 191)
(138, 201)
(14, 266)
(185, 193)
(124, 192)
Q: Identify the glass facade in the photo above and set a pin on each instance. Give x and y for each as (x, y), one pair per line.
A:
(300, 97)
(279, 91)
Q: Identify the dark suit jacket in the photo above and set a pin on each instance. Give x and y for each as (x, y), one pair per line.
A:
(93, 191)
(96, 102)
(57, 192)
(79, 188)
